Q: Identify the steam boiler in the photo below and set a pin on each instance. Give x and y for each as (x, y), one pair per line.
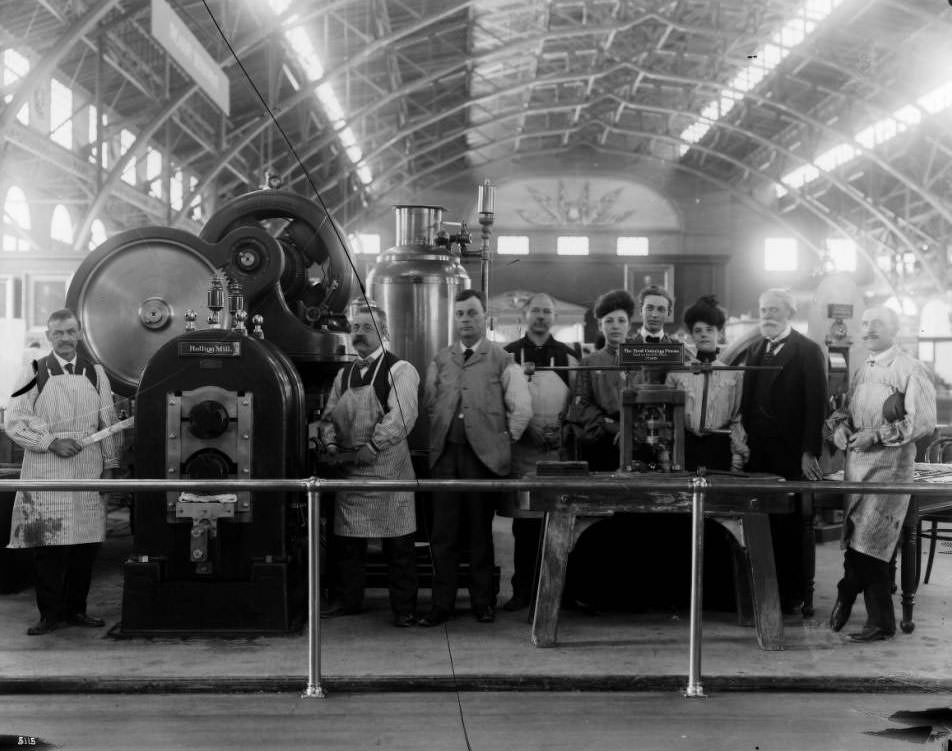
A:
(415, 282)
(218, 401)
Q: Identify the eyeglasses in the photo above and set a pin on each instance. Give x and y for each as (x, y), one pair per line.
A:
(367, 328)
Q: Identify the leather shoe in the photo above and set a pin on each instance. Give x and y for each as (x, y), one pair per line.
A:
(87, 621)
(875, 633)
(433, 618)
(840, 614)
(404, 620)
(43, 626)
(515, 603)
(486, 614)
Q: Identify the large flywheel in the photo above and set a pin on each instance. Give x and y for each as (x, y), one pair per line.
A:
(131, 294)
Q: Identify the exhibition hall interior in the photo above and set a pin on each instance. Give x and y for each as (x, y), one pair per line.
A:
(476, 373)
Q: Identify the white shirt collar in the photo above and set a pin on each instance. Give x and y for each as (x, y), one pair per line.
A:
(644, 333)
(782, 335)
(63, 362)
(463, 347)
(375, 355)
(884, 357)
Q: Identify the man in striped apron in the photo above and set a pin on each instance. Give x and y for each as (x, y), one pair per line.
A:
(371, 410)
(880, 441)
(65, 400)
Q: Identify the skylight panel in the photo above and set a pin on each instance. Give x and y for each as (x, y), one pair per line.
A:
(793, 33)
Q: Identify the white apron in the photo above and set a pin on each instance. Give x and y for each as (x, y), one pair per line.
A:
(540, 441)
(365, 514)
(874, 522)
(70, 406)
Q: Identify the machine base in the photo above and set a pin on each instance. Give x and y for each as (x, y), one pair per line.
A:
(154, 607)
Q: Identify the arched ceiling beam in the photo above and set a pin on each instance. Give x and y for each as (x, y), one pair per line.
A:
(871, 154)
(847, 189)
(501, 54)
(39, 73)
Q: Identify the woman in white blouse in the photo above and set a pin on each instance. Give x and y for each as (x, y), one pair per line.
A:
(720, 442)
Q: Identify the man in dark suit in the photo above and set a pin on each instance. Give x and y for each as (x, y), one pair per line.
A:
(783, 412)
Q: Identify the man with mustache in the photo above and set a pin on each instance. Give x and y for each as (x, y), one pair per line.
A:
(64, 398)
(371, 410)
(783, 412)
(891, 406)
(478, 403)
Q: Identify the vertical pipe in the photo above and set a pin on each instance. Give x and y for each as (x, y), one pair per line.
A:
(698, 484)
(314, 688)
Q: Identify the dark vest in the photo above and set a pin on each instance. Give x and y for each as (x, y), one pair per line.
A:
(381, 383)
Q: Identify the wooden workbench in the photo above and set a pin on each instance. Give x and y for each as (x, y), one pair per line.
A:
(744, 516)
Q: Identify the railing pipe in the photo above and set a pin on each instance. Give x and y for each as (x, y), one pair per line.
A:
(314, 689)
(694, 688)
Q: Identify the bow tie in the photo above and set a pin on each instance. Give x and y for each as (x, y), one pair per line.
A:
(653, 339)
(707, 356)
(361, 364)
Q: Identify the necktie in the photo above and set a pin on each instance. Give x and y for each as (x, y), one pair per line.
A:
(467, 353)
(773, 346)
(707, 356)
(69, 368)
(653, 339)
(361, 364)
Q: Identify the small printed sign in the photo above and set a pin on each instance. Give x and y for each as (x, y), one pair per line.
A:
(631, 353)
(209, 349)
(839, 310)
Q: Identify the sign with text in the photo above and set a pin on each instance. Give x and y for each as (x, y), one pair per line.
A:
(171, 32)
(635, 353)
(839, 310)
(209, 349)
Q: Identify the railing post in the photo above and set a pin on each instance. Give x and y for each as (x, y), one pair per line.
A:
(698, 485)
(314, 688)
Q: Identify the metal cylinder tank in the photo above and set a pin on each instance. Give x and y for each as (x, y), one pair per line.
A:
(415, 283)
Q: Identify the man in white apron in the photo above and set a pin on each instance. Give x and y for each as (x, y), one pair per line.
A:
(550, 391)
(371, 410)
(66, 399)
(880, 446)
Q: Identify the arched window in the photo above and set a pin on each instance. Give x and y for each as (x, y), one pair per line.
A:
(97, 234)
(61, 228)
(16, 221)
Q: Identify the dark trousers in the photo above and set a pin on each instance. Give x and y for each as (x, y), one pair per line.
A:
(400, 554)
(63, 576)
(769, 454)
(459, 516)
(526, 534)
(863, 573)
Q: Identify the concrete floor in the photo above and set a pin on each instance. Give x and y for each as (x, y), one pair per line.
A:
(485, 721)
(365, 653)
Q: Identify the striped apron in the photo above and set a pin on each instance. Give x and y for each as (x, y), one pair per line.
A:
(70, 406)
(361, 513)
(874, 522)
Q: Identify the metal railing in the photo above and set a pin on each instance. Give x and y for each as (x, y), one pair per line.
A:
(697, 487)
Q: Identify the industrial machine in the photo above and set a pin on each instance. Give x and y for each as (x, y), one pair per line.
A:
(415, 283)
(219, 402)
(651, 429)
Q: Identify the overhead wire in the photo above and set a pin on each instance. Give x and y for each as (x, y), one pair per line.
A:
(370, 304)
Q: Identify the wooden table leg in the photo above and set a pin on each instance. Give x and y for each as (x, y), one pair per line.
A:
(909, 550)
(808, 551)
(556, 544)
(768, 620)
